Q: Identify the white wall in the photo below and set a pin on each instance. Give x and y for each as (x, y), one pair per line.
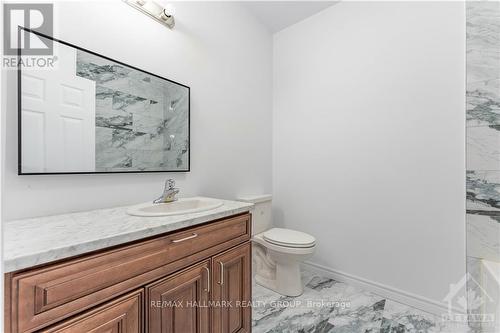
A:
(368, 135)
(216, 48)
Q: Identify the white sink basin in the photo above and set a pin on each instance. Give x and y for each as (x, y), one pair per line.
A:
(179, 207)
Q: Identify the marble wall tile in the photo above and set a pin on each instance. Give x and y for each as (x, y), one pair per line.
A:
(483, 294)
(112, 153)
(483, 235)
(483, 63)
(122, 78)
(483, 103)
(474, 290)
(483, 148)
(481, 66)
(483, 27)
(483, 141)
(153, 109)
(483, 191)
(148, 117)
(146, 124)
(482, 8)
(487, 59)
(114, 159)
(147, 159)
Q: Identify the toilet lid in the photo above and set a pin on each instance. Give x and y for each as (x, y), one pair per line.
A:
(289, 238)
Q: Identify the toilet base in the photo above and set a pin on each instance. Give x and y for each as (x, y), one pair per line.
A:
(266, 283)
(288, 281)
(278, 268)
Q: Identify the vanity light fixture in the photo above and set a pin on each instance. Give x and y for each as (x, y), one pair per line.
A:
(164, 15)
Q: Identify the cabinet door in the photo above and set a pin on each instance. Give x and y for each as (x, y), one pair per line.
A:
(123, 315)
(179, 303)
(232, 292)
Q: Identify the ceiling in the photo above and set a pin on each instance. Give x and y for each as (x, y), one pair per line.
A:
(277, 15)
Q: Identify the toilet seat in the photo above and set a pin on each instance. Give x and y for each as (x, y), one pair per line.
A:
(289, 238)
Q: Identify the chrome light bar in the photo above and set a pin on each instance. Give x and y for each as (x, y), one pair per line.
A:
(164, 15)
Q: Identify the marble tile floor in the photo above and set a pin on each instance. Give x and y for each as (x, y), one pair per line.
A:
(328, 306)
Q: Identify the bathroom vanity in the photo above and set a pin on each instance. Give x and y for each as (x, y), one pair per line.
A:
(106, 271)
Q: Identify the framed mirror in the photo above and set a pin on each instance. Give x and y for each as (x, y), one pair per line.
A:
(93, 114)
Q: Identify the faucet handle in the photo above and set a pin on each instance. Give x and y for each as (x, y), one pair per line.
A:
(169, 184)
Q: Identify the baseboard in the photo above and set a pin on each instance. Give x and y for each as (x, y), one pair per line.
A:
(398, 295)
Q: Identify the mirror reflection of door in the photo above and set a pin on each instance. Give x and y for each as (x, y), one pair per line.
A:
(58, 118)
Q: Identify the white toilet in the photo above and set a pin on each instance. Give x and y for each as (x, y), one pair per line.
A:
(277, 252)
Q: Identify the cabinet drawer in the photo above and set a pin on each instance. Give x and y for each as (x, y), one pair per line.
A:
(125, 315)
(44, 296)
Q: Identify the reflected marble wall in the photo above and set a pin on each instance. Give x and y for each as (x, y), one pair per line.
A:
(483, 151)
(141, 121)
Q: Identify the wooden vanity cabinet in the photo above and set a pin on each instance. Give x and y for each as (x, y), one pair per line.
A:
(128, 288)
(213, 296)
(232, 292)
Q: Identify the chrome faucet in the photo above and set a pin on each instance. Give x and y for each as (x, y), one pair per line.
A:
(168, 193)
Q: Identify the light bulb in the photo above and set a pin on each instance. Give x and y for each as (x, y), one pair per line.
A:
(165, 15)
(169, 9)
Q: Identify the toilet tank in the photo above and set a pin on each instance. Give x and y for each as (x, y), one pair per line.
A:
(261, 212)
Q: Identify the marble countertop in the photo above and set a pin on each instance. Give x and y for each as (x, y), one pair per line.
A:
(41, 240)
